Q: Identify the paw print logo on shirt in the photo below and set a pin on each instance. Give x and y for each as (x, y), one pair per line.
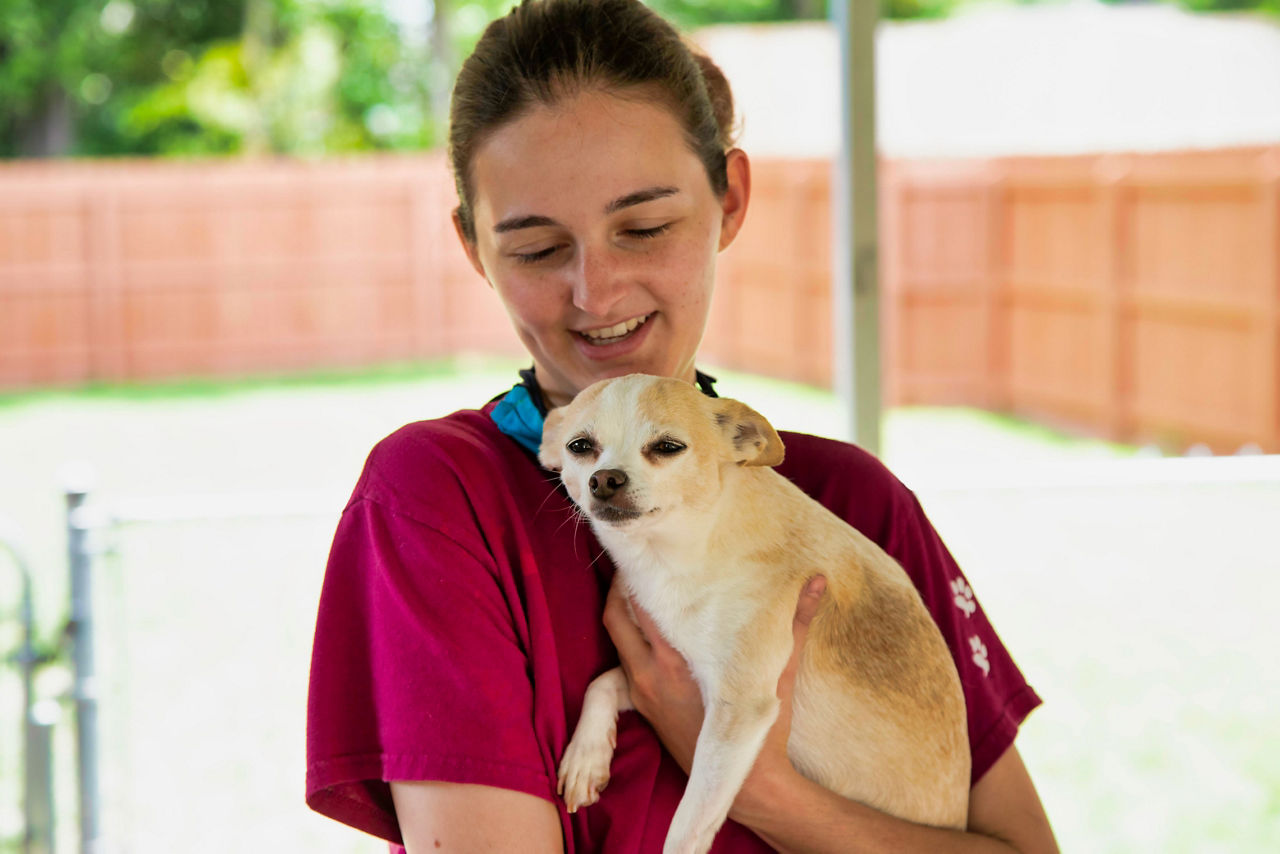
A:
(980, 654)
(964, 597)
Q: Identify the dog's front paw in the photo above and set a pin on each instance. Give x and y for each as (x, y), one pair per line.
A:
(584, 769)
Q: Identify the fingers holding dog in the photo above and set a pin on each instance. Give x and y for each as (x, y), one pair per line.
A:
(807, 607)
(632, 646)
(773, 760)
(662, 689)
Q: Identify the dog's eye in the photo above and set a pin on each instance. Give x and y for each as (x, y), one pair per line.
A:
(667, 447)
(580, 446)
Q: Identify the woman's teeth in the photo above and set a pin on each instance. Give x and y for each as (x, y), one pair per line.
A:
(610, 334)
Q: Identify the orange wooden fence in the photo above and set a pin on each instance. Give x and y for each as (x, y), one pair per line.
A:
(141, 270)
(1136, 297)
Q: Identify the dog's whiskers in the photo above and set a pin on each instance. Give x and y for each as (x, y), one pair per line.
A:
(552, 494)
(596, 558)
(572, 517)
(576, 515)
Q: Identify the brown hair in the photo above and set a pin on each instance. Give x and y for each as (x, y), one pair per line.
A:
(546, 50)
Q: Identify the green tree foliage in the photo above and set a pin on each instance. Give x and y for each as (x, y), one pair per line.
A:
(69, 68)
(102, 77)
(108, 77)
(692, 13)
(1271, 6)
(299, 79)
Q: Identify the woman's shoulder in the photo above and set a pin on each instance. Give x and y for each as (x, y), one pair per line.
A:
(429, 463)
(458, 432)
(464, 438)
(847, 479)
(819, 463)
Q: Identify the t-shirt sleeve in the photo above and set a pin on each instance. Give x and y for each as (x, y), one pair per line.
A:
(419, 671)
(997, 697)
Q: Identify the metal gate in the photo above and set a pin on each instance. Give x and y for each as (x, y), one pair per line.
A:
(91, 526)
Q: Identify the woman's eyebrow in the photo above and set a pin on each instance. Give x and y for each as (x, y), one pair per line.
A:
(517, 222)
(640, 197)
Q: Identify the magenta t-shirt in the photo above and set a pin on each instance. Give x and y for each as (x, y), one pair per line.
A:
(460, 622)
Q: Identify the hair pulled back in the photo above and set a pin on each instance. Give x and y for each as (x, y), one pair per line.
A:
(545, 50)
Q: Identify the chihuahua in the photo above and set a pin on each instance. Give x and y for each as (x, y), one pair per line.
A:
(716, 546)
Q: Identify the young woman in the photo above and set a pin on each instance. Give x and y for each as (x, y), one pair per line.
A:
(465, 610)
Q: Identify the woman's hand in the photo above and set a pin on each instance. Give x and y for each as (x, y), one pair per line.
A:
(662, 688)
(773, 766)
(665, 693)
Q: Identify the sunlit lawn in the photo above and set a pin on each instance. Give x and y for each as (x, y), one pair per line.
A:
(1143, 614)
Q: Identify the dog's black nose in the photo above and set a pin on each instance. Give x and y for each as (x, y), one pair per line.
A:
(606, 482)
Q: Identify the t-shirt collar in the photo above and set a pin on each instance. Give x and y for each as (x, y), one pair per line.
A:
(521, 411)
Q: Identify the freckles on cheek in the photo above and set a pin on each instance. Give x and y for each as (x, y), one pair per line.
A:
(526, 301)
(694, 275)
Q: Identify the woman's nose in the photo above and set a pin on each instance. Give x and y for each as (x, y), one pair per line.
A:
(599, 282)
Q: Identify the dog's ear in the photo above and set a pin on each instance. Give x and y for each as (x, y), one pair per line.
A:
(749, 438)
(551, 452)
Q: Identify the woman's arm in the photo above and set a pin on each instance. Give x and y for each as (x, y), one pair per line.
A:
(791, 812)
(794, 814)
(443, 817)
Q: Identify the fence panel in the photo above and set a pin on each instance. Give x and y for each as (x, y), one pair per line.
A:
(258, 269)
(1056, 286)
(1137, 296)
(772, 307)
(941, 284)
(143, 270)
(1198, 292)
(44, 313)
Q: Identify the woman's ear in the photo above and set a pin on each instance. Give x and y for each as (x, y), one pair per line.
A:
(551, 453)
(736, 197)
(468, 245)
(749, 439)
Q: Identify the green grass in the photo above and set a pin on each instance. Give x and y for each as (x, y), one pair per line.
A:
(205, 387)
(1143, 615)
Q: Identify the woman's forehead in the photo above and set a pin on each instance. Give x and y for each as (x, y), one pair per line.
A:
(590, 149)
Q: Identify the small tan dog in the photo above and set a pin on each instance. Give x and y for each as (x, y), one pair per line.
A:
(717, 546)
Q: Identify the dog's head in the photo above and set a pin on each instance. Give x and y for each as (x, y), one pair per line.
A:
(639, 447)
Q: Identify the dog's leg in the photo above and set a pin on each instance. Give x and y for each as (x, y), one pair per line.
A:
(584, 768)
(732, 734)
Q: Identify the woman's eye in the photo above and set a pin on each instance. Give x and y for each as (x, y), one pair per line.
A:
(578, 447)
(646, 233)
(668, 448)
(533, 257)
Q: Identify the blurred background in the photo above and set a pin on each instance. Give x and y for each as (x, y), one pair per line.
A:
(227, 269)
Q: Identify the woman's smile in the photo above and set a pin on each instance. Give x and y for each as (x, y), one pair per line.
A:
(611, 343)
(614, 334)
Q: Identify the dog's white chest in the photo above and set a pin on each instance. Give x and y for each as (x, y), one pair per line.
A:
(696, 616)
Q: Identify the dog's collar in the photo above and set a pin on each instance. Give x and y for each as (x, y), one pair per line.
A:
(521, 411)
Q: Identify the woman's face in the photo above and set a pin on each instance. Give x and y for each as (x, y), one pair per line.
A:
(598, 228)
